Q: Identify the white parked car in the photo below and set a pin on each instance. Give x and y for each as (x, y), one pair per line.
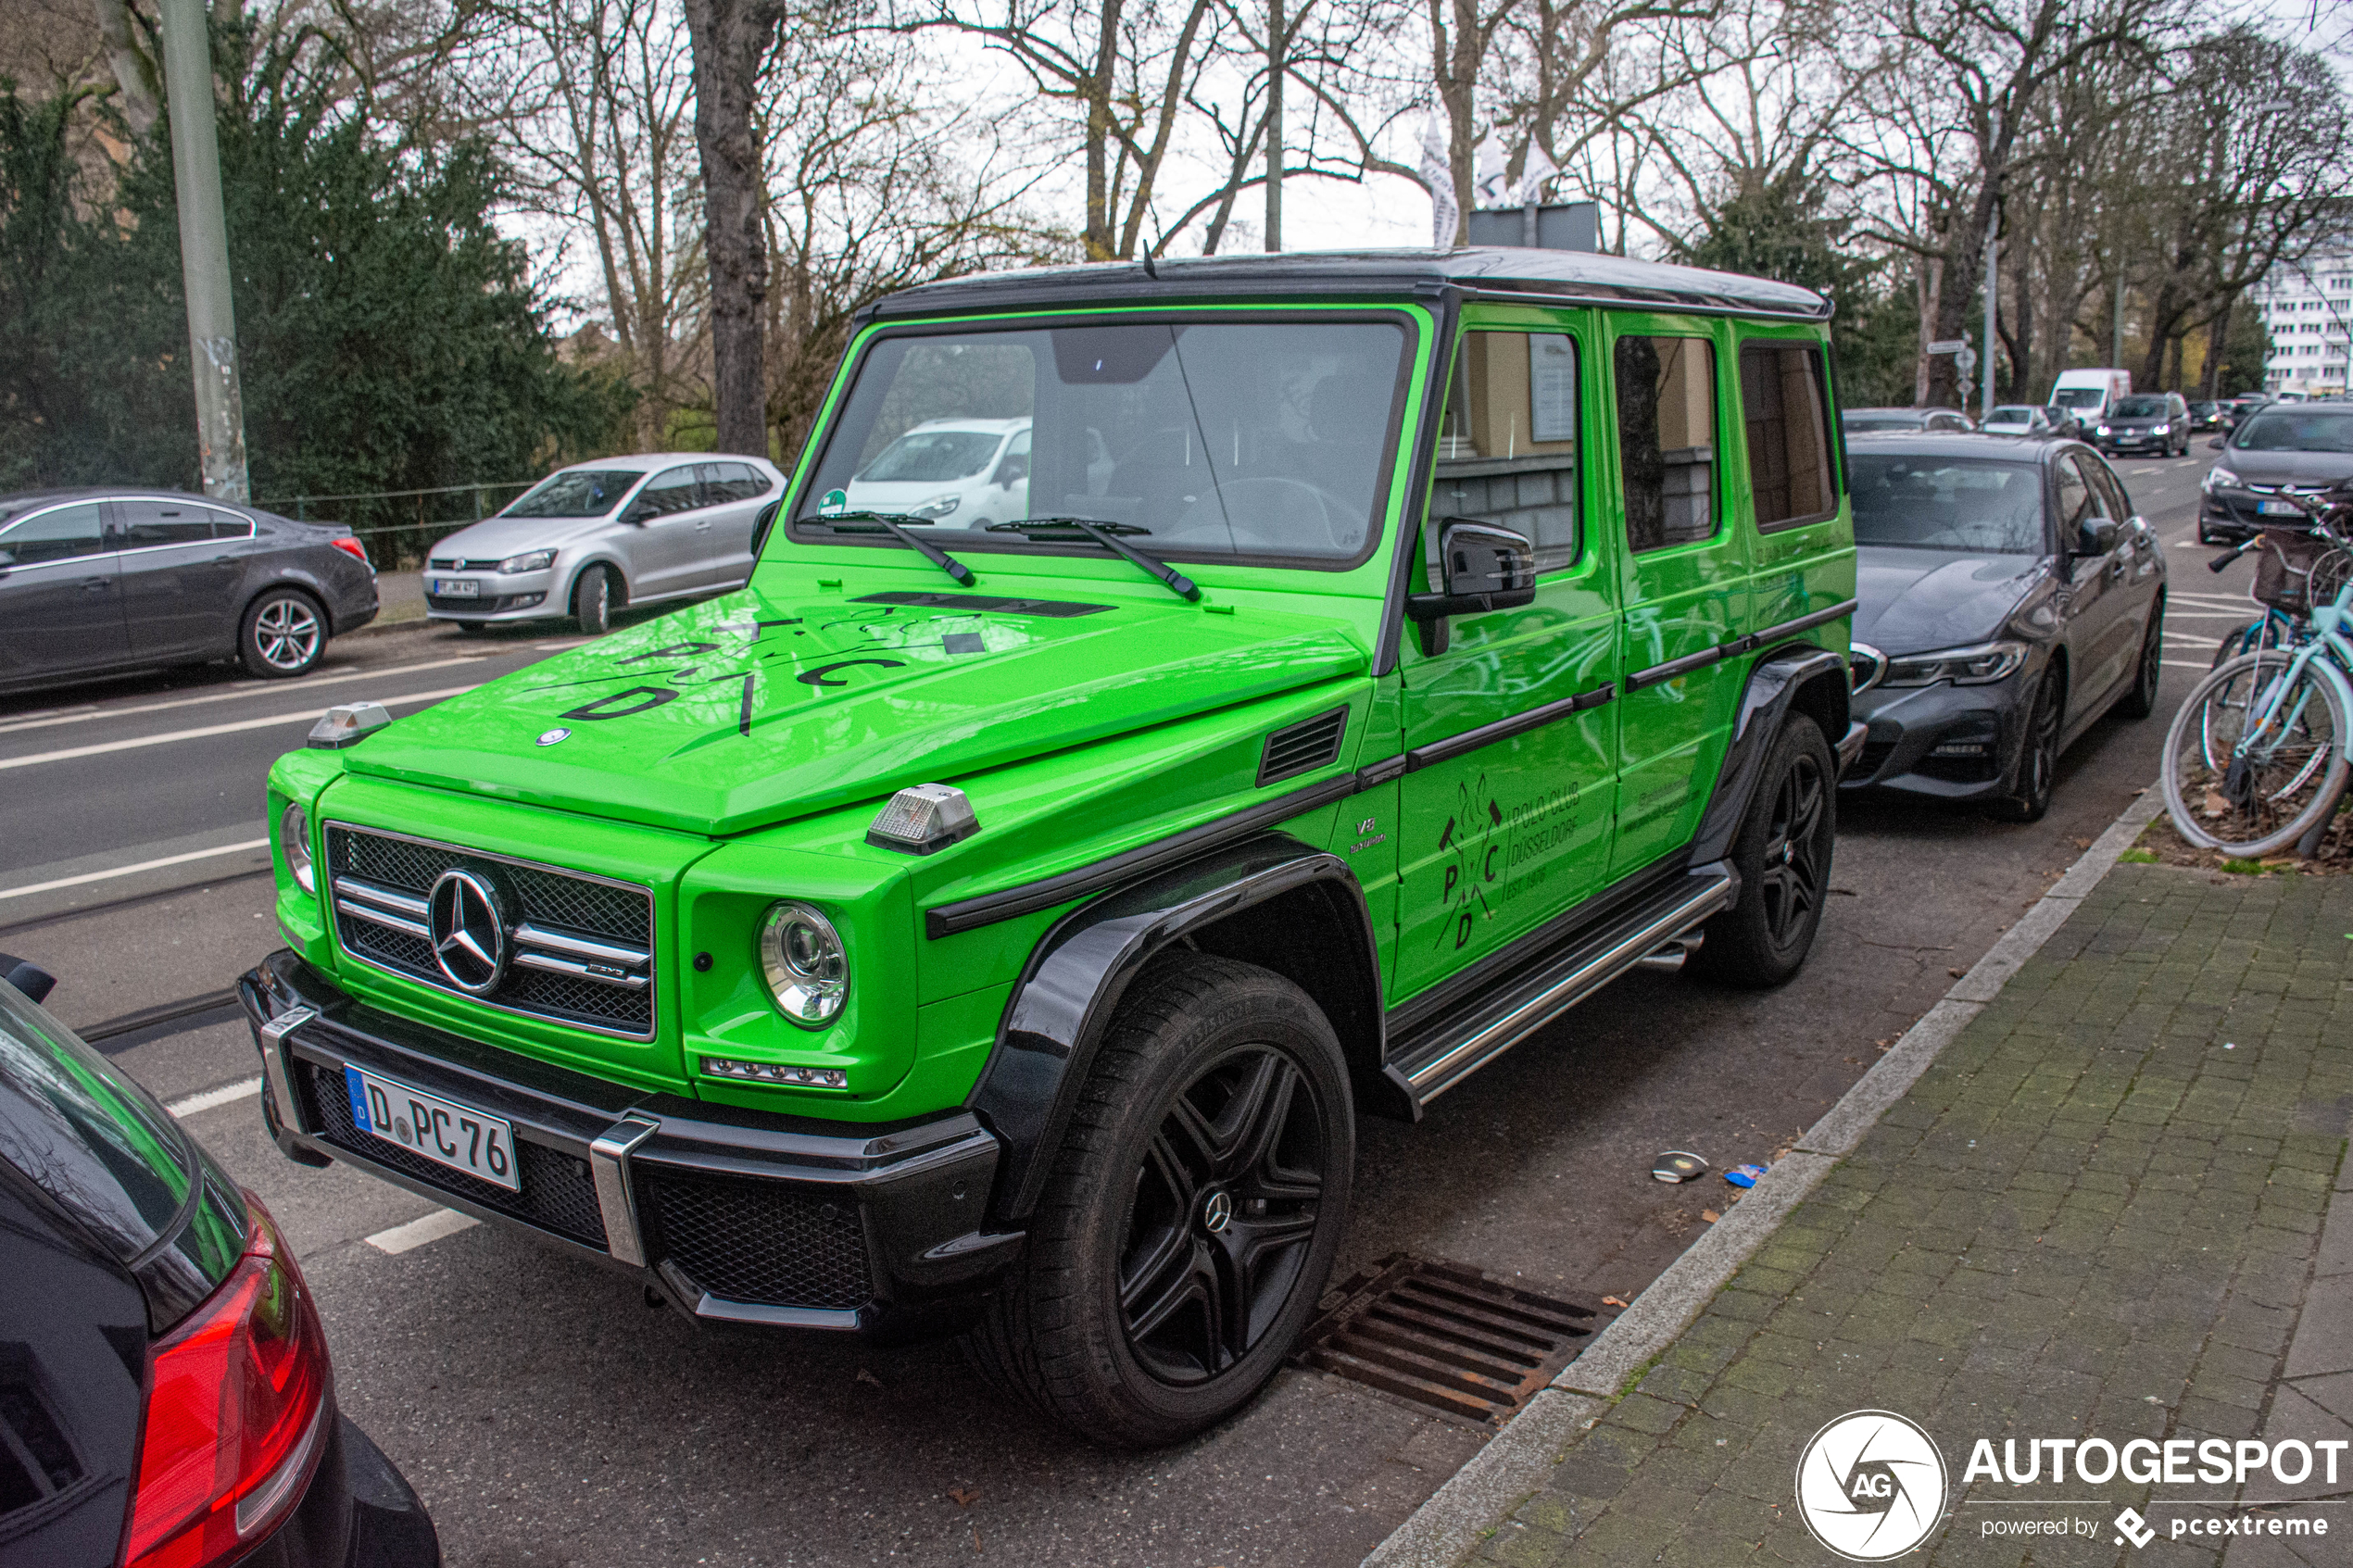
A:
(588, 539)
(957, 473)
(2018, 418)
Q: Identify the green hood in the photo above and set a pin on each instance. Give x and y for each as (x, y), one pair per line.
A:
(749, 709)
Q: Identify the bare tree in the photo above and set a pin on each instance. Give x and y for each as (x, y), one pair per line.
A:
(732, 39)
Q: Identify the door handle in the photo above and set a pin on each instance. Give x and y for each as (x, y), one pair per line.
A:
(94, 585)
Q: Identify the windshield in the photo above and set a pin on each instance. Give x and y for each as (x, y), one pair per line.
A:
(932, 455)
(576, 493)
(2021, 415)
(2139, 408)
(1968, 506)
(2077, 398)
(1267, 439)
(2281, 429)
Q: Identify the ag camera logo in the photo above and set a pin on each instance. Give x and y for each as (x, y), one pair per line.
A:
(1871, 1486)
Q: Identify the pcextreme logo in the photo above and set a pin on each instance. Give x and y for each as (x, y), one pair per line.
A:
(1871, 1486)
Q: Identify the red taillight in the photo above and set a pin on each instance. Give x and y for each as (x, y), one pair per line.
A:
(237, 1414)
(351, 547)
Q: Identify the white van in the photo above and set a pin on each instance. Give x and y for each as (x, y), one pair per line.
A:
(2089, 395)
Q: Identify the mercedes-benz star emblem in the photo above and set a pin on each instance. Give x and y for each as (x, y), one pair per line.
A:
(1216, 1213)
(552, 736)
(468, 931)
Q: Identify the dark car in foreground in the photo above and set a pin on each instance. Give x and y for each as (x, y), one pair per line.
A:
(2009, 598)
(165, 1400)
(2279, 452)
(1874, 421)
(2146, 422)
(99, 582)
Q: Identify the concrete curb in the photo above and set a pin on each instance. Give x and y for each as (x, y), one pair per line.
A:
(1513, 1466)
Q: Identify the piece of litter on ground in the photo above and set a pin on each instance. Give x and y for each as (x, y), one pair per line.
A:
(964, 1496)
(1710, 1215)
(1744, 1175)
(865, 1376)
(1678, 1165)
(1956, 974)
(1612, 1301)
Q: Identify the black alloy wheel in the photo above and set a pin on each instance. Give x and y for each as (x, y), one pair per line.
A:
(2038, 756)
(1194, 1209)
(1783, 857)
(2140, 701)
(1225, 1205)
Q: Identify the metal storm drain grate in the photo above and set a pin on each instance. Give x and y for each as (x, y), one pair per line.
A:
(1446, 1337)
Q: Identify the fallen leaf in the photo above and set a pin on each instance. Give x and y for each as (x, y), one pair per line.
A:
(1956, 974)
(2214, 804)
(1710, 1215)
(1612, 1301)
(865, 1376)
(964, 1496)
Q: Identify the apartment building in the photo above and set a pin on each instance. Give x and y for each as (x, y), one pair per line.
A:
(2308, 308)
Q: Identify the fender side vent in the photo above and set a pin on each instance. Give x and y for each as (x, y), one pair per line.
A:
(1302, 748)
(1445, 1338)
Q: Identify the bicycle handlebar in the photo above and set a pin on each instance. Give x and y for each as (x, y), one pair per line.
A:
(2227, 556)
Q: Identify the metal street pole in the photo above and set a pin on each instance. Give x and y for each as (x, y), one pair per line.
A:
(204, 251)
(2116, 353)
(1993, 227)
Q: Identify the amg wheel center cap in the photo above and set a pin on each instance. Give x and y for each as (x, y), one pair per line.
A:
(468, 931)
(1216, 1213)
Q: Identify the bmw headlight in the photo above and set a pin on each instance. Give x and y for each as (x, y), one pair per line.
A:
(1977, 666)
(293, 842)
(530, 560)
(806, 966)
(938, 506)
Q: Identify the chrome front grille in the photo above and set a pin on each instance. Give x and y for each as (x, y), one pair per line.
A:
(579, 950)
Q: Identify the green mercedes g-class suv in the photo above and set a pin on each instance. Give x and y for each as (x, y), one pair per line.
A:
(994, 916)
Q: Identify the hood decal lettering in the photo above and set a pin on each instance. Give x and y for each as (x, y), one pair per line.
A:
(675, 650)
(649, 697)
(817, 677)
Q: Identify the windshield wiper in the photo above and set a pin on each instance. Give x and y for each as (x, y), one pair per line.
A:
(894, 524)
(1107, 535)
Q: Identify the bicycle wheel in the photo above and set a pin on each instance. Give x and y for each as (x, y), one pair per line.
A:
(2255, 755)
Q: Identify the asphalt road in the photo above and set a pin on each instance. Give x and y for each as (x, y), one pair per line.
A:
(547, 1416)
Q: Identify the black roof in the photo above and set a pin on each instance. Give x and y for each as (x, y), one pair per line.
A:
(1552, 277)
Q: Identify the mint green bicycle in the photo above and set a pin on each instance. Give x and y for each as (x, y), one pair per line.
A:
(2256, 757)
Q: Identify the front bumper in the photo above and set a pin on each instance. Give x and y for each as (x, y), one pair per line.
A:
(734, 1216)
(2137, 441)
(523, 595)
(1978, 729)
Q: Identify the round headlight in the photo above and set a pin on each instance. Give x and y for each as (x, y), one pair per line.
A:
(293, 842)
(807, 968)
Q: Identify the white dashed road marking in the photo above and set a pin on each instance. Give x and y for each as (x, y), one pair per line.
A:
(213, 1099)
(199, 733)
(126, 871)
(417, 1233)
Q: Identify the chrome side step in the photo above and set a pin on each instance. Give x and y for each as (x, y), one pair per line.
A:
(1500, 1023)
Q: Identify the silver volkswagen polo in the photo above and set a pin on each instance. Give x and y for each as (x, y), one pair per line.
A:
(588, 539)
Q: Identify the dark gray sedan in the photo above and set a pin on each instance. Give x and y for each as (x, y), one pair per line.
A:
(2276, 453)
(97, 581)
(2010, 596)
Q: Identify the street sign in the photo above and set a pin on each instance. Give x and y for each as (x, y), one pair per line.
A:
(1964, 359)
(1949, 346)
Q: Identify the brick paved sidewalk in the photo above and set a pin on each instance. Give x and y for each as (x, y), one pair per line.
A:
(2097, 1214)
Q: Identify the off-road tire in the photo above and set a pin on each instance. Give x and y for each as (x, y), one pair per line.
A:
(1055, 1334)
(1783, 856)
(595, 595)
(282, 634)
(2139, 700)
(2038, 755)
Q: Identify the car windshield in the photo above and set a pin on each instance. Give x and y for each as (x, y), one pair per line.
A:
(932, 457)
(2020, 415)
(2301, 430)
(576, 493)
(2077, 398)
(1968, 506)
(1266, 439)
(2139, 408)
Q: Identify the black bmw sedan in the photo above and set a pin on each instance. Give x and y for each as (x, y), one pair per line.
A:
(165, 1400)
(2010, 596)
(99, 582)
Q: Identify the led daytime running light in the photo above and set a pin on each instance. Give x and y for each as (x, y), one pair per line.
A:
(776, 1073)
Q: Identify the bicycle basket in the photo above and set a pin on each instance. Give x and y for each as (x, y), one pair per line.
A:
(2295, 570)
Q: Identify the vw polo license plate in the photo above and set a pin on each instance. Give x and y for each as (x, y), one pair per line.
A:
(2280, 509)
(446, 1132)
(456, 588)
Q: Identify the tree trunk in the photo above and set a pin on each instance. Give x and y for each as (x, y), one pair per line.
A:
(1275, 55)
(1927, 277)
(731, 38)
(1964, 272)
(134, 72)
(2217, 335)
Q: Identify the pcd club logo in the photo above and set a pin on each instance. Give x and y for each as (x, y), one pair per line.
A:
(1871, 1486)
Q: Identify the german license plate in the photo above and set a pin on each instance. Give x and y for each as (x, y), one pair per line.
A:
(2280, 509)
(456, 588)
(444, 1132)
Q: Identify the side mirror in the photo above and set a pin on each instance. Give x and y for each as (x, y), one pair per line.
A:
(28, 977)
(763, 523)
(2098, 537)
(1011, 472)
(2215, 445)
(1484, 566)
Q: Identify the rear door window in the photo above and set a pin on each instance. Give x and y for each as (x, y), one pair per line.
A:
(1785, 407)
(148, 524)
(1666, 439)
